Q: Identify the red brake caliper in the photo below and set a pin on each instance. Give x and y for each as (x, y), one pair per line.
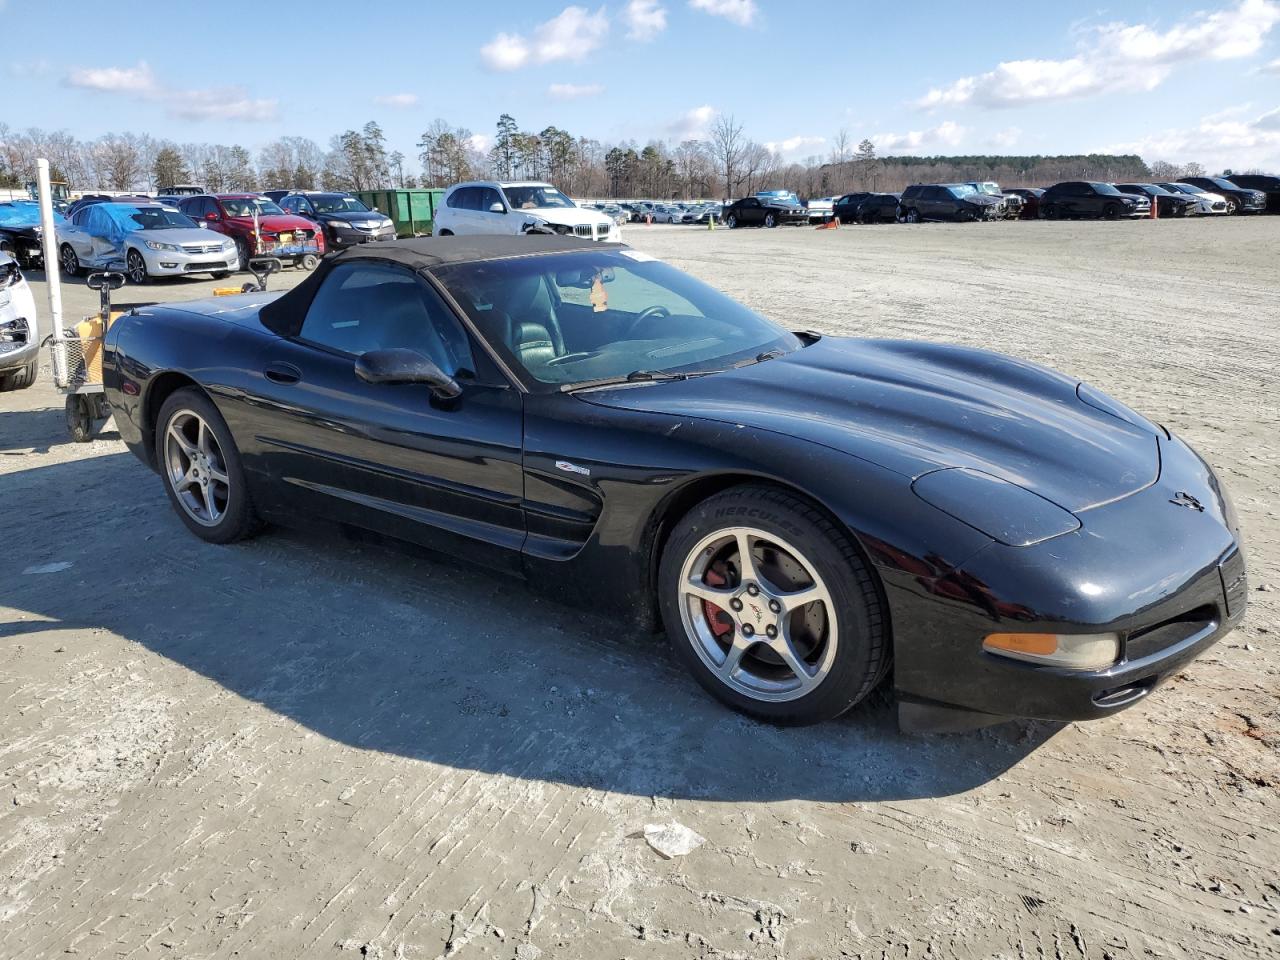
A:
(719, 620)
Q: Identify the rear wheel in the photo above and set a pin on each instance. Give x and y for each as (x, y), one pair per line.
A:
(201, 468)
(777, 616)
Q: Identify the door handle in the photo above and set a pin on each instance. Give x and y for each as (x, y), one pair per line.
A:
(282, 373)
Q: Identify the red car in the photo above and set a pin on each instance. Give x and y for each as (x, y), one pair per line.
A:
(1030, 201)
(279, 234)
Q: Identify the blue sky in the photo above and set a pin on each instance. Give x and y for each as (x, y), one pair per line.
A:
(1170, 80)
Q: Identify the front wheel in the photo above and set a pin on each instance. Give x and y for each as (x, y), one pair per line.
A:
(770, 221)
(137, 267)
(778, 616)
(69, 261)
(20, 378)
(912, 215)
(1232, 208)
(242, 254)
(731, 222)
(1111, 212)
(201, 467)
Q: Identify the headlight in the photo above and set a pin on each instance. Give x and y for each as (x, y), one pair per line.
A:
(157, 245)
(9, 275)
(1073, 651)
(228, 245)
(338, 224)
(1004, 511)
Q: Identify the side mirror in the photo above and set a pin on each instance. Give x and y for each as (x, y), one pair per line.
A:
(211, 217)
(202, 225)
(398, 365)
(497, 208)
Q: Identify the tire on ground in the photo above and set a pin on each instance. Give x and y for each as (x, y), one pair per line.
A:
(863, 654)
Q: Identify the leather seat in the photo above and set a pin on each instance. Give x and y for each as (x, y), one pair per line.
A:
(531, 328)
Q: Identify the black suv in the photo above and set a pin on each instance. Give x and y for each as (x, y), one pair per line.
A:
(948, 201)
(845, 209)
(1239, 199)
(1260, 181)
(1087, 198)
(1168, 203)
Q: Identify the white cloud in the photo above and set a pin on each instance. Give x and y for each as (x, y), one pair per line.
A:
(571, 35)
(946, 134)
(403, 100)
(693, 124)
(139, 82)
(229, 103)
(1006, 138)
(1221, 141)
(645, 19)
(481, 142)
(1272, 67)
(793, 145)
(1116, 57)
(741, 12)
(573, 91)
(136, 79)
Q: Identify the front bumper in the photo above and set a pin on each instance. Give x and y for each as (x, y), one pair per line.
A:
(166, 263)
(19, 328)
(353, 236)
(1169, 579)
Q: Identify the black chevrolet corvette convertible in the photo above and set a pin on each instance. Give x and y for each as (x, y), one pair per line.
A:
(803, 514)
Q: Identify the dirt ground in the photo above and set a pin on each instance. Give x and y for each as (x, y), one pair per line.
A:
(300, 747)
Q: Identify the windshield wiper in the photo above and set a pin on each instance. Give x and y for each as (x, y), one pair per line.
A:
(635, 376)
(761, 357)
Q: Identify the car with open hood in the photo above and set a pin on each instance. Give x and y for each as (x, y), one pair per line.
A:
(1239, 199)
(150, 240)
(515, 207)
(258, 226)
(21, 232)
(804, 515)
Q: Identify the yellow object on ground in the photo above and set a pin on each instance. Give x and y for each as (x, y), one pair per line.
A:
(89, 333)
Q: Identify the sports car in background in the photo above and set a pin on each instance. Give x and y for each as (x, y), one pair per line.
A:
(803, 514)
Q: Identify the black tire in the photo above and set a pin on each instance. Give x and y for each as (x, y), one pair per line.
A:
(1049, 212)
(242, 254)
(862, 656)
(68, 261)
(239, 520)
(731, 222)
(222, 274)
(1232, 207)
(21, 378)
(79, 419)
(770, 220)
(1111, 212)
(136, 268)
(309, 262)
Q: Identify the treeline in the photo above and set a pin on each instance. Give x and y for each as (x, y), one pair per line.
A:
(724, 162)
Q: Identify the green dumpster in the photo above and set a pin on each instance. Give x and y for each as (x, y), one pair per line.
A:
(412, 211)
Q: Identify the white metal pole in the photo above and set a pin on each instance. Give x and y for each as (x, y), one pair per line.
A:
(50, 242)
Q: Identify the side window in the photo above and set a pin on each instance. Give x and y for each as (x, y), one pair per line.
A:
(205, 206)
(287, 205)
(375, 306)
(78, 219)
(488, 197)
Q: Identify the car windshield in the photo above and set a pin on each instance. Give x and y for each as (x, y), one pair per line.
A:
(244, 207)
(1224, 184)
(160, 218)
(963, 190)
(572, 318)
(1106, 189)
(536, 197)
(990, 189)
(335, 203)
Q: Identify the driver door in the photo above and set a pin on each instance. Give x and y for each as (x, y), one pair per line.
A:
(392, 458)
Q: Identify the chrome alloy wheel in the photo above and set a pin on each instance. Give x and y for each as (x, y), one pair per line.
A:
(758, 614)
(196, 469)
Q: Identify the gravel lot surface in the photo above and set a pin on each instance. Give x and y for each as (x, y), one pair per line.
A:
(302, 747)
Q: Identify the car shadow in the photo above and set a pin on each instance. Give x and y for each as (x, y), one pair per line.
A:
(23, 432)
(416, 655)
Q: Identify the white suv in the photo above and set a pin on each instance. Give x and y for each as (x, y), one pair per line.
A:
(489, 206)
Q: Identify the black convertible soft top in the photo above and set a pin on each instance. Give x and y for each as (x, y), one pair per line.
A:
(284, 314)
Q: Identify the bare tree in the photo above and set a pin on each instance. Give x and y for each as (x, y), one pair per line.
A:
(727, 146)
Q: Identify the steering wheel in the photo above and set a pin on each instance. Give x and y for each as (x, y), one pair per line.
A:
(572, 357)
(646, 314)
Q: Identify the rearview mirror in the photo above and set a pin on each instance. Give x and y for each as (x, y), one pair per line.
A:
(497, 208)
(583, 277)
(398, 365)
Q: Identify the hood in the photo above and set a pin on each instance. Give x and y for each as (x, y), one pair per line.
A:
(240, 309)
(569, 216)
(179, 235)
(276, 222)
(353, 216)
(914, 407)
(984, 199)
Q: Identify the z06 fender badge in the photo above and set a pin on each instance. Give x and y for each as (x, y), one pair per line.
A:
(1184, 499)
(568, 467)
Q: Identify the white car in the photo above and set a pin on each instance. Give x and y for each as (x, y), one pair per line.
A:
(822, 209)
(1209, 202)
(496, 207)
(19, 329)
